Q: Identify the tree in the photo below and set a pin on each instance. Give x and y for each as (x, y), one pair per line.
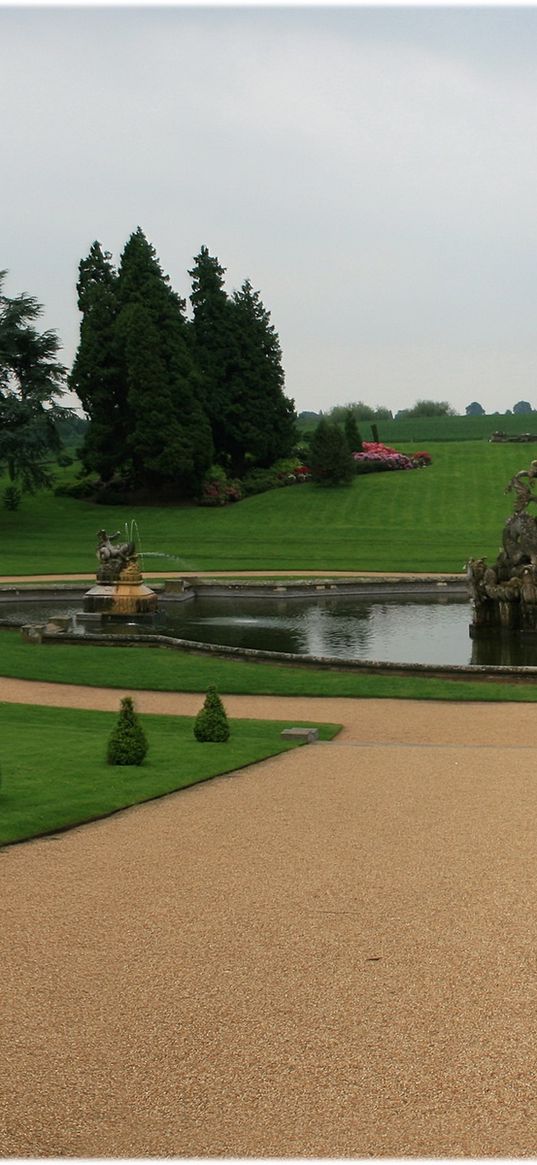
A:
(330, 458)
(169, 438)
(96, 375)
(260, 419)
(31, 386)
(239, 354)
(127, 744)
(215, 344)
(360, 411)
(474, 409)
(522, 407)
(432, 408)
(354, 440)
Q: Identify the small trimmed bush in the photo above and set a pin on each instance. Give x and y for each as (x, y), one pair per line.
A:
(211, 724)
(127, 744)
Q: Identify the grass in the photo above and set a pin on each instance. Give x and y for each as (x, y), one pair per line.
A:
(427, 520)
(426, 429)
(55, 776)
(163, 670)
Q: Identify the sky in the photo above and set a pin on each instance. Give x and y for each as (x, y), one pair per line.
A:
(371, 170)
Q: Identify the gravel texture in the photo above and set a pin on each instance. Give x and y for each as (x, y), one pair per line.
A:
(329, 954)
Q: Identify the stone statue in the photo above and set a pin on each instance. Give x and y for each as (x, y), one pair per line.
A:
(505, 594)
(113, 559)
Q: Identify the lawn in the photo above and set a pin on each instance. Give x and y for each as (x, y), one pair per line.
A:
(54, 772)
(424, 520)
(164, 670)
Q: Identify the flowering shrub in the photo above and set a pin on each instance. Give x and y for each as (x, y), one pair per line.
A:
(377, 457)
(216, 490)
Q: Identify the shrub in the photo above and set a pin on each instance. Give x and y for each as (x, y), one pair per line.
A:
(216, 490)
(211, 723)
(330, 460)
(64, 460)
(127, 744)
(12, 497)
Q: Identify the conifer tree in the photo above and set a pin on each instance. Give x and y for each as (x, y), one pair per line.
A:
(97, 376)
(128, 743)
(261, 419)
(354, 440)
(215, 345)
(330, 459)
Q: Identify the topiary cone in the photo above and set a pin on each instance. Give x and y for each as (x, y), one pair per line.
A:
(128, 743)
(211, 723)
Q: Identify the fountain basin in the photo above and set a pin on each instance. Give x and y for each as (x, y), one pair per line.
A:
(417, 626)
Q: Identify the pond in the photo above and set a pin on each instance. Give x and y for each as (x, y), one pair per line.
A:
(395, 630)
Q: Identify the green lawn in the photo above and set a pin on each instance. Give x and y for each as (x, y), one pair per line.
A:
(426, 520)
(54, 772)
(164, 670)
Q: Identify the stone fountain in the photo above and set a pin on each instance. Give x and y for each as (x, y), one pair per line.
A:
(505, 594)
(120, 591)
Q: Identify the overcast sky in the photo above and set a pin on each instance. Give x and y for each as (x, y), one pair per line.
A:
(373, 171)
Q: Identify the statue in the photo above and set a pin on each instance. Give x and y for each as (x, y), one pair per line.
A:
(505, 594)
(113, 559)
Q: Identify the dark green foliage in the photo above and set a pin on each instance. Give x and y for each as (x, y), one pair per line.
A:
(12, 497)
(31, 385)
(211, 723)
(96, 375)
(475, 409)
(354, 440)
(127, 744)
(522, 408)
(330, 458)
(239, 354)
(431, 408)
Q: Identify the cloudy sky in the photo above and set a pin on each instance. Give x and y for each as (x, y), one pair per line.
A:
(373, 171)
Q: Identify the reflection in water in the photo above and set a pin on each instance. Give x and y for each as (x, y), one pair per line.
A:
(395, 630)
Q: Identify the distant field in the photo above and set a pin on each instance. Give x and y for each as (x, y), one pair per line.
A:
(425, 520)
(423, 429)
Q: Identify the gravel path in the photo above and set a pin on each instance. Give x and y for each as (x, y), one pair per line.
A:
(329, 954)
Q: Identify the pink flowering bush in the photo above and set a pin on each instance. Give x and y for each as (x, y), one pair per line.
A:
(376, 457)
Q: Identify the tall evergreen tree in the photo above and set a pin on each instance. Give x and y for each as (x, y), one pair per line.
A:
(240, 356)
(215, 342)
(31, 387)
(169, 436)
(97, 376)
(260, 419)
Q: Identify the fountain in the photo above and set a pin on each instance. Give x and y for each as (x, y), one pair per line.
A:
(120, 591)
(505, 594)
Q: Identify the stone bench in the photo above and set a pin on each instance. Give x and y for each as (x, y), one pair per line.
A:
(309, 735)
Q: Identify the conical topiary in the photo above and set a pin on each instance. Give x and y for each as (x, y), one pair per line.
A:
(211, 723)
(127, 744)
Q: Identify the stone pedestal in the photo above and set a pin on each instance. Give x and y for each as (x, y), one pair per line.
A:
(126, 598)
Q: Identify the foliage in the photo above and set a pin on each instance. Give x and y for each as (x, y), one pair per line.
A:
(127, 744)
(431, 408)
(12, 497)
(331, 460)
(360, 411)
(352, 433)
(217, 490)
(377, 457)
(54, 777)
(211, 723)
(522, 408)
(240, 357)
(474, 409)
(31, 386)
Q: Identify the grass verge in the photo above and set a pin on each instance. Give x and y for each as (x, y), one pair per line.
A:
(131, 668)
(55, 775)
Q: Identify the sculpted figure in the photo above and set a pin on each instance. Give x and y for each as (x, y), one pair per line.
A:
(107, 553)
(523, 490)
